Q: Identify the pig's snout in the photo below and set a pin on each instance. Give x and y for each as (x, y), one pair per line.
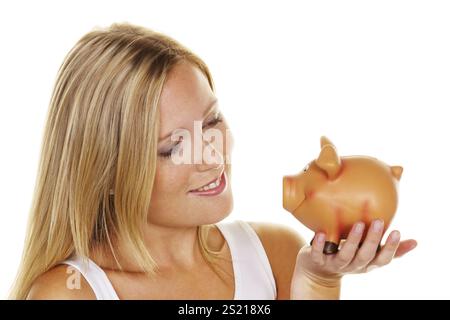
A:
(290, 200)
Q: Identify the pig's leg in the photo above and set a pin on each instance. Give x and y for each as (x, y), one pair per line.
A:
(331, 243)
(333, 237)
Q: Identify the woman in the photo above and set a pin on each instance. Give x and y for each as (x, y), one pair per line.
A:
(114, 216)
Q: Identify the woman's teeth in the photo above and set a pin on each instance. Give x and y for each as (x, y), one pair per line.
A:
(212, 185)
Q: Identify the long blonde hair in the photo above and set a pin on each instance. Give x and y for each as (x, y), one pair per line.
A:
(101, 134)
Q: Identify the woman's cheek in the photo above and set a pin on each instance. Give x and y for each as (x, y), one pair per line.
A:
(174, 180)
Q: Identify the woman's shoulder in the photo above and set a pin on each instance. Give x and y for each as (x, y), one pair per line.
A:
(274, 232)
(61, 282)
(278, 240)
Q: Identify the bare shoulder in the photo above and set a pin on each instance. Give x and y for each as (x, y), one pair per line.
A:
(62, 282)
(277, 235)
(282, 244)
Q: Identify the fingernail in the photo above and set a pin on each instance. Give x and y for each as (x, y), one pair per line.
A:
(395, 236)
(378, 225)
(359, 227)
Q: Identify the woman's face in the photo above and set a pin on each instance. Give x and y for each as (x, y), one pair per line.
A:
(187, 97)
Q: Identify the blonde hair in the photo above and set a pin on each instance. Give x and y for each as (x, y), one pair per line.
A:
(101, 134)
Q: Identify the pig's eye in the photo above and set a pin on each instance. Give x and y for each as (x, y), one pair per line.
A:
(306, 168)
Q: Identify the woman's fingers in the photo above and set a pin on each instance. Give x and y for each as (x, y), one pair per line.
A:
(350, 247)
(352, 258)
(369, 248)
(387, 253)
(317, 255)
(404, 247)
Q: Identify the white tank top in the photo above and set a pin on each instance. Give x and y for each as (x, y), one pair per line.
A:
(253, 277)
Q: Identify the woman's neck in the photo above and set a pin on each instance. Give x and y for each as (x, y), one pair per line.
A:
(170, 248)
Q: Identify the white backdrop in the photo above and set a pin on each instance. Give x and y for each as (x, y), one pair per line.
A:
(373, 76)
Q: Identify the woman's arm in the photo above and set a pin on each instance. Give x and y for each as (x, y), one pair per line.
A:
(283, 246)
(306, 286)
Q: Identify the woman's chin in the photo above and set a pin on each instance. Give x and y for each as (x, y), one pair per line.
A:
(216, 214)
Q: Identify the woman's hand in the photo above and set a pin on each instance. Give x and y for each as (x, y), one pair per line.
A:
(318, 275)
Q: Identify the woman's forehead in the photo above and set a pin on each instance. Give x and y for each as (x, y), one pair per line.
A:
(185, 97)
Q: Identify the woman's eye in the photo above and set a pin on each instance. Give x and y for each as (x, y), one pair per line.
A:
(168, 153)
(217, 119)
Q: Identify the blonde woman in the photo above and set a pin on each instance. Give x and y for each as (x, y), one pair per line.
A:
(115, 217)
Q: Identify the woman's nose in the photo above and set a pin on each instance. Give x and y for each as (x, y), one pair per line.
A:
(208, 167)
(212, 157)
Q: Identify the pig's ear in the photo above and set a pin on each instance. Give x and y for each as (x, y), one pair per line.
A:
(397, 172)
(324, 141)
(329, 161)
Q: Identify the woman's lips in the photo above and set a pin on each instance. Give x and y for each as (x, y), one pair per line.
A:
(214, 191)
(207, 184)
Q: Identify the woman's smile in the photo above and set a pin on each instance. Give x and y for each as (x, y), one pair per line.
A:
(212, 189)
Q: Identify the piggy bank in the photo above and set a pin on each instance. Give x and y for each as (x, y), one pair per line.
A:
(332, 193)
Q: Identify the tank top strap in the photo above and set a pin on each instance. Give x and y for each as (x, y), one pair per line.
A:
(95, 276)
(252, 271)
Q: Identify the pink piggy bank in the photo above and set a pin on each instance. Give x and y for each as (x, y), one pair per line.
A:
(332, 193)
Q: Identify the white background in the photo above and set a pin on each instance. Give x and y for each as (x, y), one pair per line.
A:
(373, 76)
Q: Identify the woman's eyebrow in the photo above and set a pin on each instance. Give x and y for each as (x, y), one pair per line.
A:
(209, 110)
